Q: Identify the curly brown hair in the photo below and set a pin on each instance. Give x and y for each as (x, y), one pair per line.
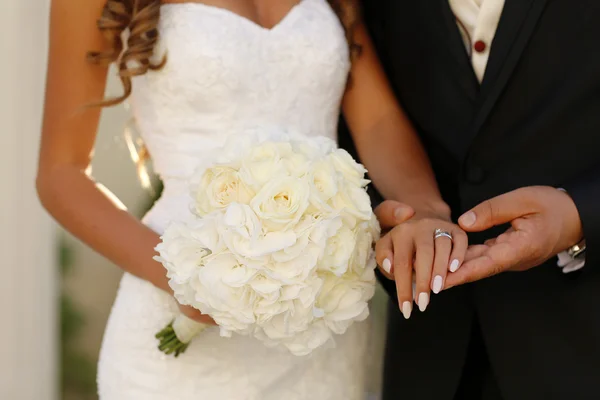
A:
(139, 18)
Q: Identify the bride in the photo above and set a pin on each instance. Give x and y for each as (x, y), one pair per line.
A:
(231, 67)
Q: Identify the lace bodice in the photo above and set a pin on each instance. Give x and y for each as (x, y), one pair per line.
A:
(226, 75)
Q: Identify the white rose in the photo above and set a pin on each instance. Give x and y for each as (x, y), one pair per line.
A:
(314, 147)
(294, 312)
(295, 269)
(295, 250)
(316, 336)
(272, 330)
(310, 230)
(229, 324)
(184, 247)
(338, 251)
(324, 228)
(265, 162)
(307, 296)
(266, 287)
(324, 180)
(344, 301)
(354, 203)
(374, 228)
(221, 290)
(297, 164)
(265, 310)
(242, 232)
(281, 202)
(286, 325)
(291, 292)
(297, 262)
(363, 257)
(219, 187)
(351, 170)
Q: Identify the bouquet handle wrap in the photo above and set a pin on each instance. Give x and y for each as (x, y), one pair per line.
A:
(176, 336)
(186, 328)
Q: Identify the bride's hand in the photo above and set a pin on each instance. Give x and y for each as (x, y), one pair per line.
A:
(410, 248)
(196, 315)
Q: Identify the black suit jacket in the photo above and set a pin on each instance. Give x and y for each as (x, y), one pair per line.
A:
(534, 120)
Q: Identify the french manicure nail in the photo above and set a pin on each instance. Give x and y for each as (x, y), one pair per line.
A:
(423, 301)
(454, 265)
(387, 265)
(406, 309)
(438, 281)
(468, 219)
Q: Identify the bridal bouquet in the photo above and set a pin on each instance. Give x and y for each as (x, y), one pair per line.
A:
(281, 245)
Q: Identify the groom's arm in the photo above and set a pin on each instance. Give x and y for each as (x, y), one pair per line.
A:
(585, 192)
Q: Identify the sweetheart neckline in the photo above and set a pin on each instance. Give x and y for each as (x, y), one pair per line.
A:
(222, 10)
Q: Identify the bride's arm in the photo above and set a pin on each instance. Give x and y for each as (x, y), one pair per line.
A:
(67, 191)
(390, 148)
(385, 139)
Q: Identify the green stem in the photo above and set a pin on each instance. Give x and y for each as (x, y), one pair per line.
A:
(168, 342)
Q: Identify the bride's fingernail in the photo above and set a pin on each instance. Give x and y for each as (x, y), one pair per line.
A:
(454, 265)
(423, 301)
(387, 265)
(438, 281)
(406, 309)
(468, 219)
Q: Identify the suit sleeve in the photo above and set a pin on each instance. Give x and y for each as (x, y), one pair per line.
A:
(585, 192)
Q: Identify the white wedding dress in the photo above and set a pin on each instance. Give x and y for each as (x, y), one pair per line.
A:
(225, 76)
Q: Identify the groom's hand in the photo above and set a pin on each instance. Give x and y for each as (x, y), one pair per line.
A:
(391, 213)
(544, 221)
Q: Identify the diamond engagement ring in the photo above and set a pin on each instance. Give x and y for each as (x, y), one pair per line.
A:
(442, 233)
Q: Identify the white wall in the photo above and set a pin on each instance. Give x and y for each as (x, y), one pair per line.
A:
(28, 282)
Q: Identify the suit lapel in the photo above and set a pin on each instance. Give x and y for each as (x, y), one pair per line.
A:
(517, 24)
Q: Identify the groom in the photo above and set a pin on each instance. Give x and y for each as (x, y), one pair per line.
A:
(505, 95)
